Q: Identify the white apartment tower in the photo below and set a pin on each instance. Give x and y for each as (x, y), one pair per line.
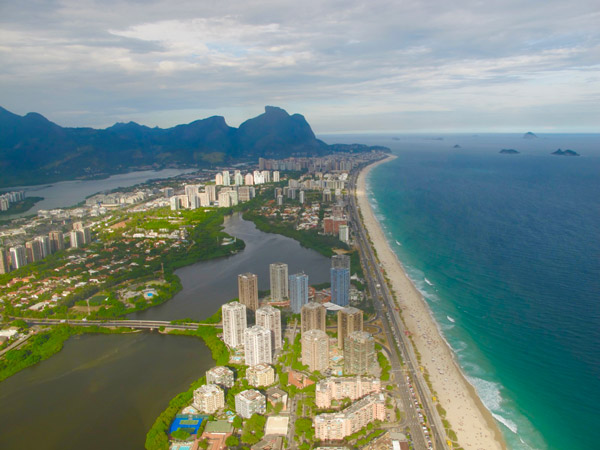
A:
(257, 346)
(279, 281)
(270, 318)
(234, 324)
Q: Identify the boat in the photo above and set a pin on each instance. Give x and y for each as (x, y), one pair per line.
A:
(398, 243)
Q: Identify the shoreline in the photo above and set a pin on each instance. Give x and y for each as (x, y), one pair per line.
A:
(473, 423)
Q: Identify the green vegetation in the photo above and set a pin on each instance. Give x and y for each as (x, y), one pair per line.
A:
(385, 366)
(232, 441)
(180, 434)
(253, 430)
(42, 346)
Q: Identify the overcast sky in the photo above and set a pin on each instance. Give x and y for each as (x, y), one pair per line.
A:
(347, 66)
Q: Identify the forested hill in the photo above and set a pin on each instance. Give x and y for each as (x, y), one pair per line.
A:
(34, 150)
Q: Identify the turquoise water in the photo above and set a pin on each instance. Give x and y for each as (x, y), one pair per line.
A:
(506, 249)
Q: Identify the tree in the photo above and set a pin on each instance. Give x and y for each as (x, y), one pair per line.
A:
(237, 422)
(180, 434)
(232, 441)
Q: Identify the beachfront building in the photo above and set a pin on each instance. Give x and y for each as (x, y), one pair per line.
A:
(313, 317)
(270, 318)
(221, 375)
(248, 290)
(340, 280)
(234, 324)
(349, 320)
(336, 426)
(298, 285)
(337, 388)
(279, 281)
(359, 353)
(260, 375)
(257, 346)
(250, 402)
(315, 350)
(209, 398)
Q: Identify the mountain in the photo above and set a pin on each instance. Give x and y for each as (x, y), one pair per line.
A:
(529, 135)
(509, 151)
(34, 150)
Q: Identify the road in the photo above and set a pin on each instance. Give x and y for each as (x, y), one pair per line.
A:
(139, 324)
(395, 334)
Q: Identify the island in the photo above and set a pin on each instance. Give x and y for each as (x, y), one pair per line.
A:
(509, 151)
(457, 146)
(529, 135)
(567, 152)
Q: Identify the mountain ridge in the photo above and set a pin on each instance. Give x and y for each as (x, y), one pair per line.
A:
(35, 150)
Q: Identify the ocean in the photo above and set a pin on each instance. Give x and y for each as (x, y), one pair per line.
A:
(506, 251)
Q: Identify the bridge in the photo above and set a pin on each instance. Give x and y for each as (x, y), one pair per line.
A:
(136, 324)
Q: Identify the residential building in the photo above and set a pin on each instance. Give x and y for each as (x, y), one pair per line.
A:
(234, 324)
(349, 319)
(76, 239)
(344, 234)
(203, 199)
(45, 243)
(276, 395)
(340, 262)
(4, 261)
(336, 426)
(211, 190)
(340, 286)
(18, 256)
(248, 290)
(209, 398)
(337, 388)
(279, 281)
(221, 375)
(34, 251)
(219, 179)
(331, 225)
(260, 375)
(315, 350)
(56, 241)
(224, 200)
(313, 317)
(250, 402)
(257, 346)
(270, 318)
(298, 285)
(359, 353)
(276, 176)
(226, 178)
(248, 179)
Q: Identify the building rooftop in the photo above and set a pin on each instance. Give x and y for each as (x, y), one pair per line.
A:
(277, 425)
(218, 426)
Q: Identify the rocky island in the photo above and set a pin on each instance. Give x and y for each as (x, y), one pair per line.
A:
(509, 151)
(567, 152)
(529, 135)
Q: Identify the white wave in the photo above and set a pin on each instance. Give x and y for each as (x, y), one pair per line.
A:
(450, 319)
(506, 422)
(428, 282)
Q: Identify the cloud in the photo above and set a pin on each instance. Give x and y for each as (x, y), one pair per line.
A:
(337, 62)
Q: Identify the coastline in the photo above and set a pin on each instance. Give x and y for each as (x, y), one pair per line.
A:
(473, 423)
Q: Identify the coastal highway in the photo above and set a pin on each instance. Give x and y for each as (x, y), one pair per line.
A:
(139, 324)
(395, 333)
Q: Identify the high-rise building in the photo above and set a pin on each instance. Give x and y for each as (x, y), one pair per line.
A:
(238, 179)
(221, 375)
(87, 235)
(34, 251)
(219, 179)
(340, 286)
(211, 190)
(224, 200)
(359, 353)
(315, 350)
(349, 320)
(249, 179)
(45, 243)
(270, 318)
(338, 388)
(276, 176)
(279, 281)
(250, 402)
(344, 234)
(56, 241)
(18, 256)
(4, 261)
(301, 197)
(313, 317)
(234, 323)
(203, 199)
(226, 178)
(298, 285)
(209, 398)
(248, 290)
(257, 346)
(340, 262)
(76, 239)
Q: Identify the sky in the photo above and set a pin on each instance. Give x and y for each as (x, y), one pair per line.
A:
(347, 66)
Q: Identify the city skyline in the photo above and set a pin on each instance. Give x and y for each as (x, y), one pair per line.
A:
(409, 67)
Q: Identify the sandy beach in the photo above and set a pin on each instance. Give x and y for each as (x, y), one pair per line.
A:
(474, 425)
